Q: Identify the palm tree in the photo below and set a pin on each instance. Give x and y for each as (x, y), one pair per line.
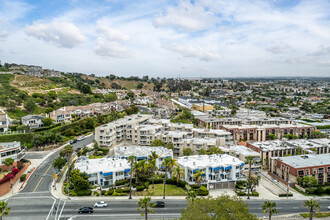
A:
(166, 164)
(271, 207)
(171, 165)
(249, 160)
(191, 194)
(4, 210)
(198, 176)
(144, 205)
(178, 172)
(311, 205)
(153, 158)
(131, 160)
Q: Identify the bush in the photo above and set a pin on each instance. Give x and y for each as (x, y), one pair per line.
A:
(126, 189)
(202, 193)
(134, 185)
(203, 188)
(103, 192)
(139, 188)
(96, 193)
(255, 194)
(284, 195)
(23, 177)
(73, 193)
(121, 182)
(119, 190)
(240, 193)
(146, 185)
(156, 180)
(118, 194)
(110, 192)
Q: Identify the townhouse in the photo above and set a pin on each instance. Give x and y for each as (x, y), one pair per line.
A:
(289, 168)
(215, 168)
(4, 123)
(32, 121)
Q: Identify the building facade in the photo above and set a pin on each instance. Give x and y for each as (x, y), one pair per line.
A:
(32, 121)
(10, 150)
(4, 123)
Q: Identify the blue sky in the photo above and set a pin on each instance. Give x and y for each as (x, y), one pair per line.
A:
(216, 38)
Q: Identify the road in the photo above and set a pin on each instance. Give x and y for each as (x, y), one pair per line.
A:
(125, 209)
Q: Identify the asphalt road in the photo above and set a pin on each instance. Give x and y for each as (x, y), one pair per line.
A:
(41, 179)
(43, 207)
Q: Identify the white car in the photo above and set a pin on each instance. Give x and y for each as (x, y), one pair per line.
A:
(81, 138)
(100, 204)
(329, 207)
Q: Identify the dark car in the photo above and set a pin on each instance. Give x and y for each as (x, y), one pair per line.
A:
(73, 141)
(159, 204)
(85, 210)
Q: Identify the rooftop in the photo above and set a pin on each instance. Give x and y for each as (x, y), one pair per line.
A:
(244, 150)
(9, 145)
(104, 165)
(138, 151)
(307, 160)
(291, 144)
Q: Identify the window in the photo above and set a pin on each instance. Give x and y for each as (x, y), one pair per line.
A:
(307, 172)
(119, 173)
(300, 173)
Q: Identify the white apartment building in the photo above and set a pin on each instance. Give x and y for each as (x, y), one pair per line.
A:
(4, 123)
(243, 153)
(142, 130)
(143, 153)
(104, 171)
(215, 168)
(10, 150)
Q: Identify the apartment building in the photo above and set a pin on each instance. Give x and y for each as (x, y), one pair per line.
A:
(243, 154)
(143, 130)
(215, 168)
(104, 171)
(4, 123)
(247, 113)
(10, 150)
(281, 148)
(143, 153)
(252, 133)
(33, 121)
(289, 168)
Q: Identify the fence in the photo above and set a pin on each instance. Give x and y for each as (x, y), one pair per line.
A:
(14, 132)
(222, 185)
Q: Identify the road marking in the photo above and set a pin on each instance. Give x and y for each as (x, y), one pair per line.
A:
(58, 207)
(61, 210)
(51, 210)
(42, 178)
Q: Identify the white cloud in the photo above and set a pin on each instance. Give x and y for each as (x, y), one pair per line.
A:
(187, 17)
(112, 34)
(279, 48)
(321, 51)
(110, 49)
(188, 50)
(3, 35)
(60, 33)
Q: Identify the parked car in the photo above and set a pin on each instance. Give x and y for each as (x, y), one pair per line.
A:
(329, 207)
(85, 210)
(100, 204)
(81, 138)
(73, 141)
(159, 204)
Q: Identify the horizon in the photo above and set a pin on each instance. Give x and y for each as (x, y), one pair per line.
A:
(186, 39)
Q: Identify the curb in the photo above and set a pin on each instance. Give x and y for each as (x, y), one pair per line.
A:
(26, 178)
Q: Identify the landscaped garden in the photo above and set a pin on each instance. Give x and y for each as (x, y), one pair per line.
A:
(309, 186)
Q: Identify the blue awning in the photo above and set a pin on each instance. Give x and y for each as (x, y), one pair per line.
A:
(101, 172)
(227, 168)
(242, 164)
(142, 158)
(203, 174)
(216, 168)
(107, 174)
(195, 170)
(221, 174)
(127, 170)
(101, 180)
(122, 157)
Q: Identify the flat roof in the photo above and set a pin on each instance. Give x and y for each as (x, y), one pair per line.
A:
(105, 165)
(140, 151)
(305, 144)
(307, 160)
(244, 150)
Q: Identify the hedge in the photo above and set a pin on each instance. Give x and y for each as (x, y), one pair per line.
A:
(284, 195)
(121, 182)
(47, 128)
(86, 192)
(110, 192)
(202, 193)
(23, 138)
(23, 177)
(255, 194)
(139, 188)
(126, 189)
(181, 184)
(119, 190)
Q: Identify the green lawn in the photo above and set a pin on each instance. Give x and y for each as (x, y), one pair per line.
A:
(170, 190)
(317, 214)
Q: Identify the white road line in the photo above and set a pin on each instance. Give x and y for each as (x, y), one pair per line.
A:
(58, 207)
(61, 210)
(51, 209)
(34, 197)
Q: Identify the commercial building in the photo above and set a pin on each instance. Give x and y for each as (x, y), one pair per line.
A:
(143, 130)
(215, 168)
(32, 121)
(10, 150)
(104, 171)
(143, 153)
(289, 168)
(281, 148)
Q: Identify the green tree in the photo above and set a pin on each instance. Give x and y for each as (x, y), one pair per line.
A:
(79, 180)
(11, 105)
(221, 207)
(272, 137)
(59, 163)
(157, 142)
(311, 205)
(166, 164)
(318, 134)
(110, 97)
(191, 194)
(270, 208)
(4, 209)
(254, 181)
(85, 88)
(249, 160)
(8, 162)
(30, 106)
(139, 86)
(198, 177)
(169, 145)
(153, 157)
(187, 151)
(47, 121)
(211, 150)
(310, 181)
(146, 206)
(131, 161)
(67, 152)
(178, 173)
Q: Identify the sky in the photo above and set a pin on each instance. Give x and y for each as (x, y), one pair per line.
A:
(167, 38)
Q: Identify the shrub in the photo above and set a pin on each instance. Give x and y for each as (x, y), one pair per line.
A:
(119, 190)
(327, 191)
(240, 193)
(134, 185)
(118, 194)
(182, 184)
(14, 171)
(110, 192)
(195, 186)
(96, 193)
(255, 194)
(203, 188)
(126, 189)
(121, 182)
(139, 188)
(202, 193)
(103, 192)
(156, 180)
(284, 195)
(23, 177)
(146, 185)
(84, 192)
(73, 193)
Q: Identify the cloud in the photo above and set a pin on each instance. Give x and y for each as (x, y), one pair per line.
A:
(279, 48)
(187, 17)
(60, 33)
(112, 34)
(321, 51)
(110, 49)
(3, 35)
(188, 50)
